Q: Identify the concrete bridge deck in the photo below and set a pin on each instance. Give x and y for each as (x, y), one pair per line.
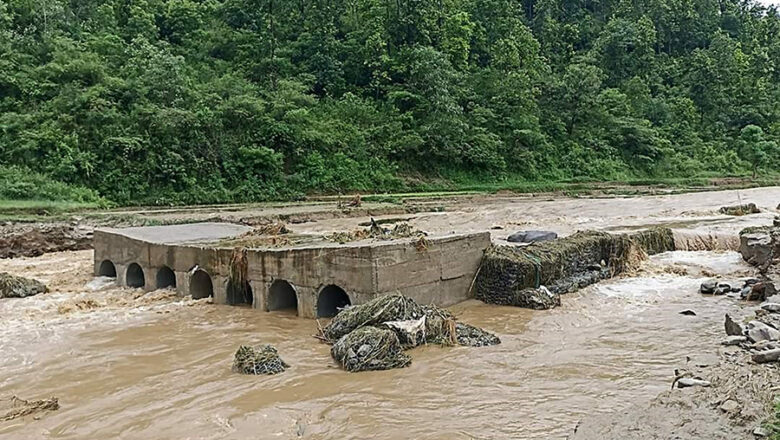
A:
(313, 276)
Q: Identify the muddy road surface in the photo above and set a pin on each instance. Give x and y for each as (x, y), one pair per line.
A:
(133, 365)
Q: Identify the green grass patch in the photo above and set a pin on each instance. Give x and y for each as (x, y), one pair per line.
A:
(773, 424)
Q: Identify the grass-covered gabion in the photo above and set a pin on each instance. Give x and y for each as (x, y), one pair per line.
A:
(374, 335)
(368, 349)
(12, 286)
(512, 275)
(258, 360)
(377, 311)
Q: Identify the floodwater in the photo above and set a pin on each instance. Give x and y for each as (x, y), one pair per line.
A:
(129, 365)
(503, 215)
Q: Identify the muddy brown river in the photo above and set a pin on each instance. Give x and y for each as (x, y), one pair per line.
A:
(132, 365)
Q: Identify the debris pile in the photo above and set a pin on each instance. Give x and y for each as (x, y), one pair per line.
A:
(258, 360)
(372, 336)
(267, 235)
(745, 209)
(12, 286)
(517, 276)
(376, 231)
(17, 407)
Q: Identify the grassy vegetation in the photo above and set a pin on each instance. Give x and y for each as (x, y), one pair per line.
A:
(773, 424)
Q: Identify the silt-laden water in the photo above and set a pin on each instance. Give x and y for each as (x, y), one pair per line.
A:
(130, 365)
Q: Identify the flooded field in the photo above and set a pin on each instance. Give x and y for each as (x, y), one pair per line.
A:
(134, 365)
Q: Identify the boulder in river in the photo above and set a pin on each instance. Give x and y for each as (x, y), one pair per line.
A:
(763, 357)
(759, 245)
(733, 328)
(758, 331)
(709, 286)
(771, 307)
(12, 286)
(759, 291)
(734, 340)
(531, 236)
(687, 382)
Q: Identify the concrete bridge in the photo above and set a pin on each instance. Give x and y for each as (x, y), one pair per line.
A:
(313, 278)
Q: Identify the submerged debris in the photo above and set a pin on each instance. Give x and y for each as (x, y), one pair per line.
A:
(12, 286)
(370, 348)
(745, 209)
(258, 360)
(471, 336)
(20, 407)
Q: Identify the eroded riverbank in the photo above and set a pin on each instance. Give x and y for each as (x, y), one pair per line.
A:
(138, 366)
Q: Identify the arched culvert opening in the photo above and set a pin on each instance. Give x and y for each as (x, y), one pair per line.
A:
(107, 269)
(200, 285)
(135, 276)
(331, 299)
(165, 278)
(282, 296)
(239, 294)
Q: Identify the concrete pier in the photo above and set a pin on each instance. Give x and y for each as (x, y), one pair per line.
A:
(315, 277)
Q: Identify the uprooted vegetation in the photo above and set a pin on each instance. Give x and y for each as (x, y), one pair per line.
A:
(535, 276)
(372, 336)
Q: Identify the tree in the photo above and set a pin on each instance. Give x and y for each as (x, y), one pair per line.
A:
(755, 149)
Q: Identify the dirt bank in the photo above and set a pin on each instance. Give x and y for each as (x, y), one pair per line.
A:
(736, 403)
(33, 239)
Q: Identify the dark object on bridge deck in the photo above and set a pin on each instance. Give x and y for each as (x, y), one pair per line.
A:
(370, 348)
(12, 286)
(748, 208)
(563, 265)
(258, 360)
(531, 236)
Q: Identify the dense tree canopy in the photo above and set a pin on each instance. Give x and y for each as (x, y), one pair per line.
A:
(172, 101)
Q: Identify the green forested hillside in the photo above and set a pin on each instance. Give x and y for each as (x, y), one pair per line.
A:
(176, 101)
